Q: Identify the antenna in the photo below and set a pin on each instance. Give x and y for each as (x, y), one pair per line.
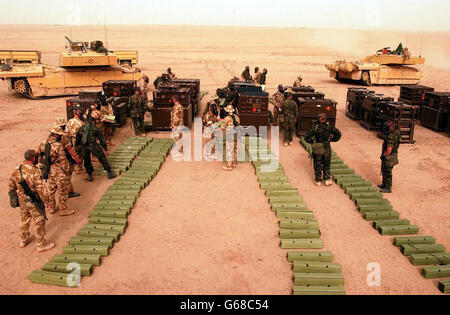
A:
(106, 33)
(421, 44)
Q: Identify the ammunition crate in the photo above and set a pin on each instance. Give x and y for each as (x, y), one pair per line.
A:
(403, 117)
(194, 85)
(370, 110)
(301, 97)
(161, 117)
(414, 93)
(240, 85)
(254, 119)
(162, 97)
(88, 95)
(438, 100)
(434, 119)
(119, 88)
(309, 113)
(71, 103)
(355, 98)
(253, 102)
(300, 89)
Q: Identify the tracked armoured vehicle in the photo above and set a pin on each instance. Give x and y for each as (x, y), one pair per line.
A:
(386, 67)
(82, 66)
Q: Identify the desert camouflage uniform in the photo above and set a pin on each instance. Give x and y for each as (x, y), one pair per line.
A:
(106, 128)
(32, 175)
(297, 83)
(277, 98)
(257, 77)
(177, 120)
(231, 147)
(208, 120)
(72, 127)
(58, 177)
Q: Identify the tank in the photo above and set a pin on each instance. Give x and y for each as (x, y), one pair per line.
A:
(83, 66)
(386, 67)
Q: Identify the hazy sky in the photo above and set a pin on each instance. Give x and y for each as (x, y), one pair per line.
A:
(361, 14)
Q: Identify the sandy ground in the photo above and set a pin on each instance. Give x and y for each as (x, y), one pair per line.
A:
(198, 230)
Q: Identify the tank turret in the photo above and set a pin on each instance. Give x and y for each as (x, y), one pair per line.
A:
(80, 54)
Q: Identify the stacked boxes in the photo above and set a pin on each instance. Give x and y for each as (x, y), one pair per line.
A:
(436, 110)
(355, 98)
(414, 95)
(403, 117)
(194, 86)
(309, 112)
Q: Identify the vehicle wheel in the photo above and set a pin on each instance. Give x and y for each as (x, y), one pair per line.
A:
(21, 86)
(365, 77)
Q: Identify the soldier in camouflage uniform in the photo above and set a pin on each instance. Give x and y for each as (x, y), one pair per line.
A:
(73, 125)
(231, 121)
(171, 75)
(389, 156)
(138, 106)
(246, 76)
(276, 100)
(177, 121)
(28, 211)
(91, 138)
(257, 75)
(56, 170)
(210, 118)
(106, 127)
(289, 110)
(298, 82)
(323, 133)
(70, 153)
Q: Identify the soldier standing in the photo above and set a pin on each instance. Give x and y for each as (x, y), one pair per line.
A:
(26, 191)
(257, 75)
(171, 75)
(90, 137)
(289, 110)
(320, 136)
(138, 107)
(231, 121)
(210, 118)
(389, 156)
(57, 171)
(105, 126)
(177, 121)
(246, 76)
(298, 82)
(262, 79)
(276, 100)
(73, 125)
(72, 156)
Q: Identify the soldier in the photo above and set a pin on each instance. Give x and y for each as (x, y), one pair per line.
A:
(25, 179)
(262, 79)
(105, 126)
(138, 107)
(276, 100)
(246, 76)
(289, 110)
(56, 171)
(210, 118)
(320, 136)
(90, 137)
(145, 88)
(298, 82)
(231, 121)
(177, 121)
(70, 153)
(389, 156)
(73, 125)
(170, 74)
(257, 75)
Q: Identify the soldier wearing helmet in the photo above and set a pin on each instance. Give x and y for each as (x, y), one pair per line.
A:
(56, 170)
(320, 137)
(29, 174)
(246, 76)
(231, 121)
(289, 112)
(276, 100)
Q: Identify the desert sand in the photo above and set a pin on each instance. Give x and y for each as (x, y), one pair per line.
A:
(199, 230)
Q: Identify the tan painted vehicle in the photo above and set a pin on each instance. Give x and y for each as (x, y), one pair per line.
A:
(82, 67)
(20, 56)
(385, 67)
(127, 57)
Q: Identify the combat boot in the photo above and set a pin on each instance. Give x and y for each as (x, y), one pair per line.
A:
(290, 143)
(44, 248)
(66, 213)
(24, 243)
(328, 182)
(386, 190)
(227, 168)
(74, 195)
(381, 186)
(111, 175)
(318, 183)
(90, 178)
(285, 144)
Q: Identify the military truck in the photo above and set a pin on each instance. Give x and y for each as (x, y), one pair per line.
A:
(385, 67)
(82, 66)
